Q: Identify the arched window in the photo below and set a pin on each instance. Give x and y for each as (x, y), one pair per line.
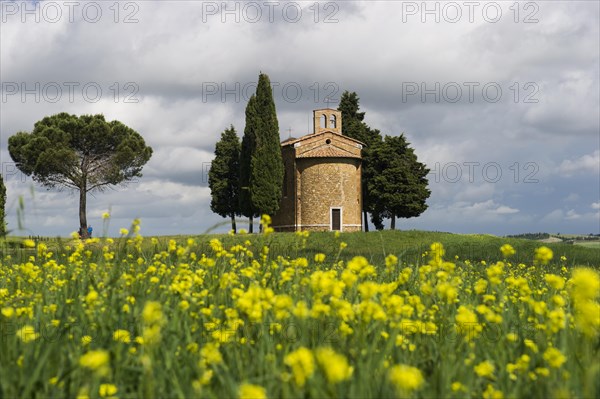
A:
(323, 121)
(332, 121)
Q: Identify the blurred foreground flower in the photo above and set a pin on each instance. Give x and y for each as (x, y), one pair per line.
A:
(249, 391)
(27, 334)
(543, 255)
(97, 361)
(405, 378)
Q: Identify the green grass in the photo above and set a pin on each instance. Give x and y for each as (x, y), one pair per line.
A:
(409, 246)
(588, 244)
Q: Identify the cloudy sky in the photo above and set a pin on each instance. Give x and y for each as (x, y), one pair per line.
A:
(499, 99)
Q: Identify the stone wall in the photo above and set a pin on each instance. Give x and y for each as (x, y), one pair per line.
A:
(325, 183)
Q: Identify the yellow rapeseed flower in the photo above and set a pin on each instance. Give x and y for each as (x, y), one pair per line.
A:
(249, 391)
(96, 360)
(448, 292)
(457, 386)
(584, 284)
(554, 357)
(507, 250)
(152, 313)
(302, 363)
(8, 312)
(265, 220)
(122, 336)
(531, 345)
(210, 354)
(29, 243)
(184, 305)
(467, 323)
(543, 255)
(406, 379)
(480, 286)
(335, 365)
(584, 288)
(107, 390)
(151, 334)
(512, 337)
(391, 261)
(27, 334)
(587, 318)
(554, 281)
(91, 297)
(491, 393)
(301, 310)
(485, 369)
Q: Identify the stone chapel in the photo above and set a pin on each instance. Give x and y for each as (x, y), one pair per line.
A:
(322, 179)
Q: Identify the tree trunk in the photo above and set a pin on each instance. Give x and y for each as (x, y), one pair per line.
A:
(233, 226)
(250, 225)
(393, 224)
(366, 221)
(82, 215)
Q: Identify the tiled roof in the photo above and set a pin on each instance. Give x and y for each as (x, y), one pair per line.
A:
(312, 135)
(328, 152)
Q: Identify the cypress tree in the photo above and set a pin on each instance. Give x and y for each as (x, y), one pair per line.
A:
(266, 182)
(223, 177)
(246, 206)
(2, 207)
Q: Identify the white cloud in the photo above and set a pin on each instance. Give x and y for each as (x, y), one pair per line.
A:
(503, 210)
(572, 214)
(556, 215)
(492, 207)
(488, 210)
(475, 192)
(589, 163)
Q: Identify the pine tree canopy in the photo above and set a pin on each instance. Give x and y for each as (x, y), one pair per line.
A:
(399, 183)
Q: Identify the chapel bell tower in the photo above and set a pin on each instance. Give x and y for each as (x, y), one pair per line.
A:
(327, 120)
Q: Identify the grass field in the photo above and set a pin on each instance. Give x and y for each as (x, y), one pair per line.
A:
(589, 244)
(375, 246)
(381, 314)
